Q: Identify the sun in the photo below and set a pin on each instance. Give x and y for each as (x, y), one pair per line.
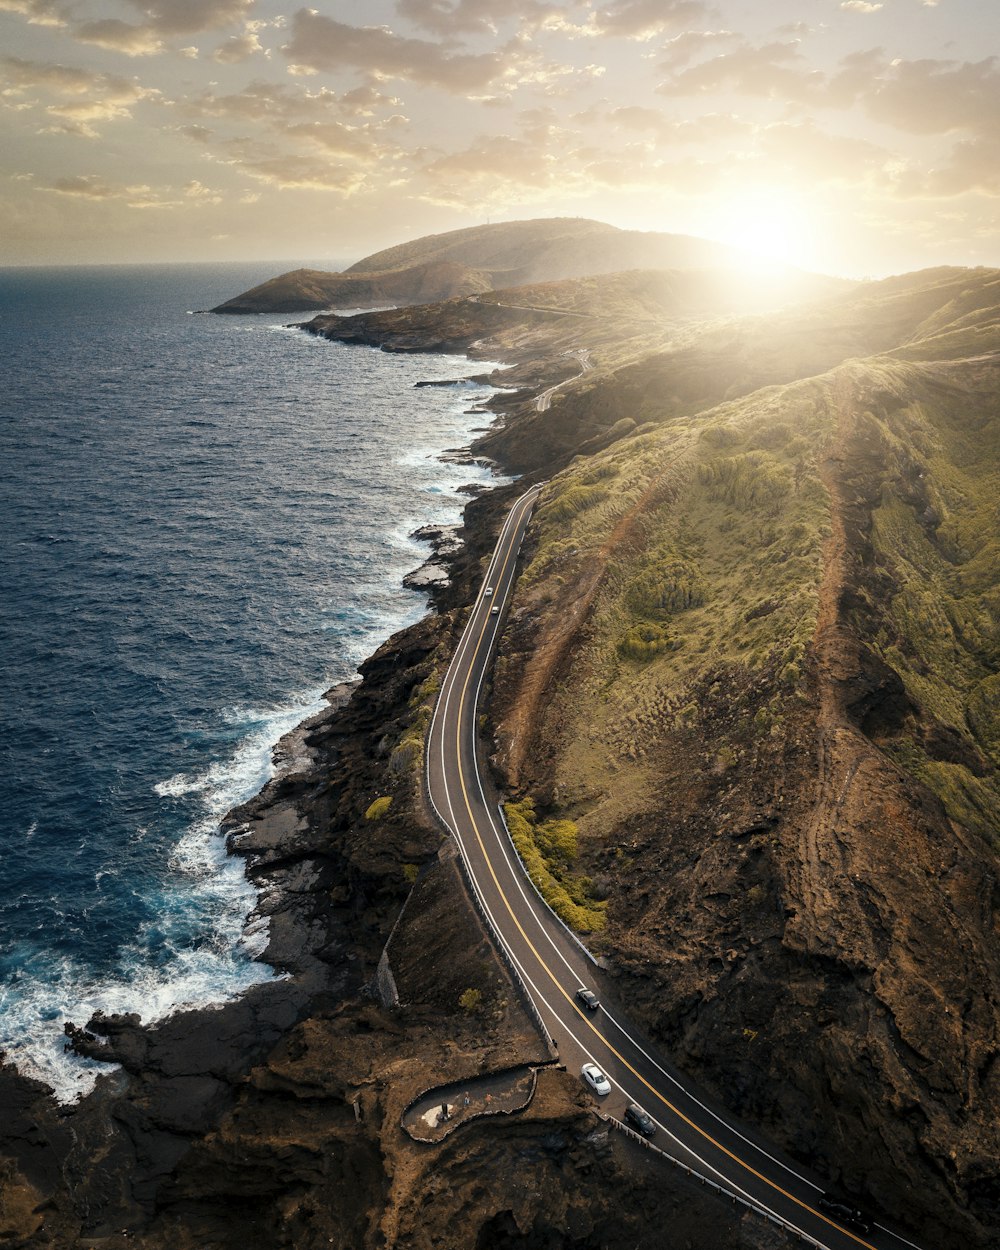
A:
(768, 229)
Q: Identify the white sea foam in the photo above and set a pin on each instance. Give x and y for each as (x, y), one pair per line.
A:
(162, 970)
(171, 962)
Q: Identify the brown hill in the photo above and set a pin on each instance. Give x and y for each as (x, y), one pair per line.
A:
(304, 289)
(754, 657)
(508, 254)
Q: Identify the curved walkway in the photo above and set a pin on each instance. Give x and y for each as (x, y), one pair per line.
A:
(442, 1110)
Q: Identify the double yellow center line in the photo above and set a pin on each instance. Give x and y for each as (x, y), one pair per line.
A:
(471, 662)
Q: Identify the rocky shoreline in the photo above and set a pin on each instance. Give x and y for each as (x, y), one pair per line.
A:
(276, 1120)
(233, 1125)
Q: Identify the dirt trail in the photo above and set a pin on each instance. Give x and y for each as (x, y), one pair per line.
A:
(525, 717)
(841, 749)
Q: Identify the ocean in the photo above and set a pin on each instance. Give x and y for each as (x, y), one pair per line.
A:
(205, 524)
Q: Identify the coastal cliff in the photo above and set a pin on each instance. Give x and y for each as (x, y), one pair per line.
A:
(275, 1120)
(752, 656)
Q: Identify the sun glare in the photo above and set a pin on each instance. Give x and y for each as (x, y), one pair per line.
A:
(769, 230)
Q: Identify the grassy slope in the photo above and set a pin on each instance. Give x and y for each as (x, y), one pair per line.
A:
(754, 657)
(675, 517)
(707, 533)
(932, 611)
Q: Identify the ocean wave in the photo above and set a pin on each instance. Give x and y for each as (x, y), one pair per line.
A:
(247, 542)
(36, 1005)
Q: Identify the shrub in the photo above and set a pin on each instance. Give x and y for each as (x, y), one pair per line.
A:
(748, 481)
(379, 808)
(408, 754)
(569, 897)
(572, 501)
(668, 587)
(470, 1000)
(643, 642)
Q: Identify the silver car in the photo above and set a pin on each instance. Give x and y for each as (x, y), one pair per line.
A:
(596, 1079)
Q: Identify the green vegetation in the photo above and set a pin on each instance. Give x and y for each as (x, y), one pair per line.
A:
(379, 808)
(471, 1000)
(699, 555)
(936, 544)
(549, 851)
(642, 642)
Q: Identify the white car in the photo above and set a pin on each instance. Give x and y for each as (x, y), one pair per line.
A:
(488, 591)
(596, 1079)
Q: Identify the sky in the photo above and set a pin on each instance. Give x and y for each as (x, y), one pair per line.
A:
(855, 137)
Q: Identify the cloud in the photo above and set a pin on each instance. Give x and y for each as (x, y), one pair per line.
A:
(446, 17)
(190, 17)
(93, 187)
(973, 165)
(934, 97)
(200, 194)
(772, 71)
(321, 43)
(496, 169)
(164, 20)
(365, 101)
(286, 171)
(83, 97)
(280, 104)
(37, 12)
(642, 19)
(119, 36)
(238, 48)
(683, 49)
(860, 6)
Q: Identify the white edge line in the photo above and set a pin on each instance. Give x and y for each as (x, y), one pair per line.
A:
(728, 1184)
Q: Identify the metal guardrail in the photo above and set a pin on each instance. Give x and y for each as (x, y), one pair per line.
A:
(800, 1237)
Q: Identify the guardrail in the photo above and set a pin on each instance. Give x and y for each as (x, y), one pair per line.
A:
(501, 948)
(800, 1237)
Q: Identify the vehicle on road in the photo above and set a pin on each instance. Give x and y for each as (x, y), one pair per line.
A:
(588, 998)
(488, 591)
(596, 1079)
(843, 1213)
(495, 610)
(636, 1118)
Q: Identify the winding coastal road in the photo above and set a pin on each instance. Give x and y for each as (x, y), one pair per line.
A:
(552, 964)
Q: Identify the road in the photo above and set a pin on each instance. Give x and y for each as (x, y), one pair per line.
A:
(544, 400)
(552, 964)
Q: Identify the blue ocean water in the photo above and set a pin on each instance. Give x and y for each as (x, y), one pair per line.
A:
(204, 523)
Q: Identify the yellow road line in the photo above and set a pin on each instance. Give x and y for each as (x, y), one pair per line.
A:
(621, 1058)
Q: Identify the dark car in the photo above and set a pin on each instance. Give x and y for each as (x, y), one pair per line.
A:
(636, 1118)
(588, 998)
(844, 1213)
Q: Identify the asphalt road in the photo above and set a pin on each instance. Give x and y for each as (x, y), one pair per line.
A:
(552, 964)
